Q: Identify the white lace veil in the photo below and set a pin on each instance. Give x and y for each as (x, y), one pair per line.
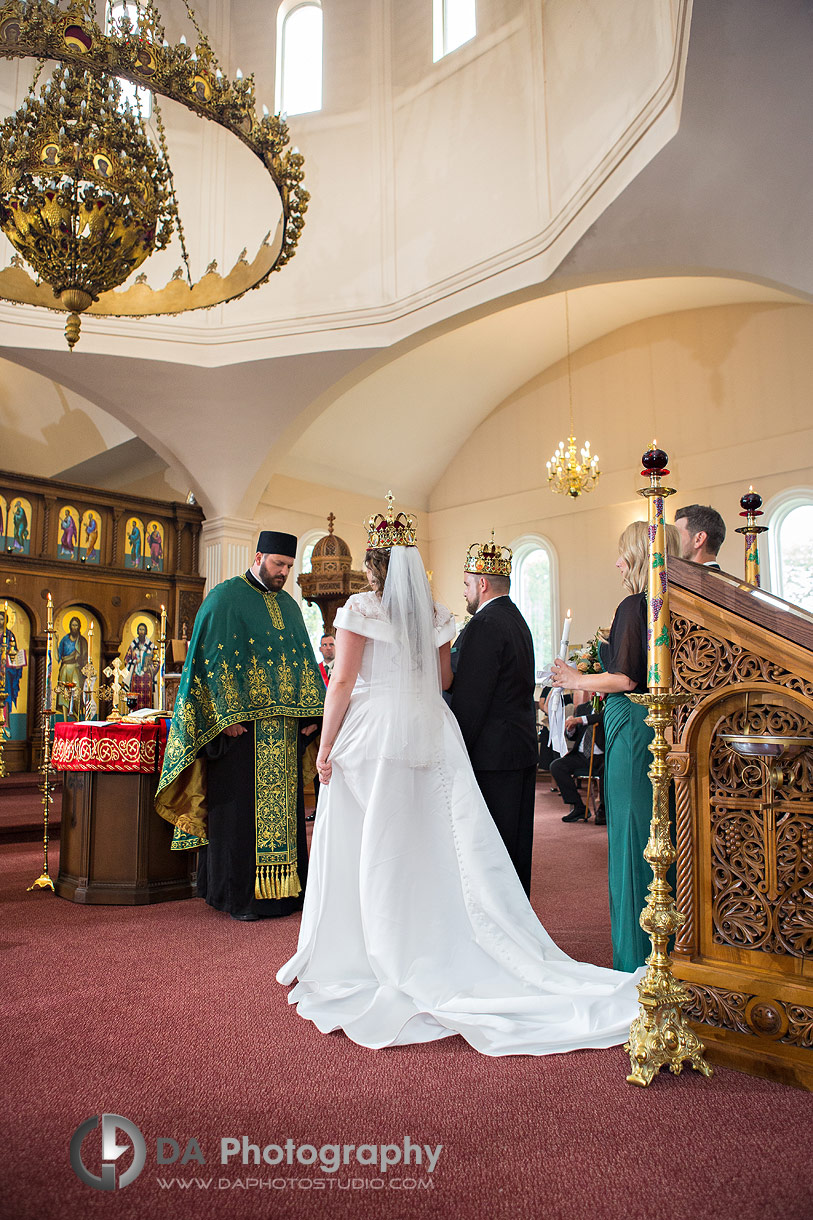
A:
(405, 679)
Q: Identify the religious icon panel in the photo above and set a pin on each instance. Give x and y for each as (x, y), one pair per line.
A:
(134, 535)
(15, 639)
(78, 640)
(68, 528)
(139, 658)
(90, 536)
(18, 526)
(154, 549)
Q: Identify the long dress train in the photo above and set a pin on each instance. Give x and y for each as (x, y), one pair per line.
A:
(415, 925)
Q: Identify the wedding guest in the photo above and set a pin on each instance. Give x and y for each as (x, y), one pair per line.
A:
(546, 751)
(627, 788)
(586, 729)
(327, 647)
(702, 533)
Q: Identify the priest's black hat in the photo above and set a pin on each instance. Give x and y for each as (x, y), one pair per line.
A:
(272, 542)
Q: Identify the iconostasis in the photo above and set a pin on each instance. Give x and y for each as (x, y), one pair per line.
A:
(105, 557)
(15, 651)
(77, 638)
(15, 525)
(139, 657)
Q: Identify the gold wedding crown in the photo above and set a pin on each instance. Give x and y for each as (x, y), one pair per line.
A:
(489, 559)
(385, 530)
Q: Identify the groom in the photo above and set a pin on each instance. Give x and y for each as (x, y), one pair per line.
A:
(493, 700)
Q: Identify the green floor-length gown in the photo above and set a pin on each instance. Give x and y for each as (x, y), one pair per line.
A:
(628, 801)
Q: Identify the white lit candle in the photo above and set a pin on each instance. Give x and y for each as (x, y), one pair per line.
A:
(49, 660)
(565, 637)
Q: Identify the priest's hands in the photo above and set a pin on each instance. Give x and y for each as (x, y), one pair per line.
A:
(235, 730)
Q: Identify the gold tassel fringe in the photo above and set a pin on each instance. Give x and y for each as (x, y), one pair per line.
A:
(277, 881)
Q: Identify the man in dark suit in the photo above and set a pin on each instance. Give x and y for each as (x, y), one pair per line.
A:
(702, 533)
(493, 700)
(563, 770)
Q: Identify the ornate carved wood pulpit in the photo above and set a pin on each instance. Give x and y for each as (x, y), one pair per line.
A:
(743, 659)
(331, 579)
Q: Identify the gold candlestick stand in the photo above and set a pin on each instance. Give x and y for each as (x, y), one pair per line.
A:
(162, 662)
(660, 1035)
(751, 505)
(44, 882)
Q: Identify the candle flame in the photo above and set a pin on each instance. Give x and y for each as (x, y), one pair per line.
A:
(568, 614)
(751, 488)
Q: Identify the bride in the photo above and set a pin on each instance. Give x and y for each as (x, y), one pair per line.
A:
(415, 924)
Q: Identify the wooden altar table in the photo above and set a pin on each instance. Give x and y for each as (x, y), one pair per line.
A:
(115, 849)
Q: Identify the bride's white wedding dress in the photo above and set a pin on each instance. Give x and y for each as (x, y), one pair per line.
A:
(415, 925)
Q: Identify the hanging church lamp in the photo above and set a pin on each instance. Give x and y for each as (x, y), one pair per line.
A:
(87, 192)
(570, 473)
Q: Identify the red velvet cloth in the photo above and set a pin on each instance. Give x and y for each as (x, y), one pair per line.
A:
(109, 747)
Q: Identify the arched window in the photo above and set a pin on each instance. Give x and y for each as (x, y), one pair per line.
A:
(311, 614)
(534, 582)
(454, 22)
(790, 546)
(133, 97)
(299, 57)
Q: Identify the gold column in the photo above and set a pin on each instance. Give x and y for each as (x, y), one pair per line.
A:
(44, 881)
(660, 1035)
(751, 504)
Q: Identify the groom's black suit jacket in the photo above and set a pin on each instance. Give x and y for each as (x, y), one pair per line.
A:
(493, 692)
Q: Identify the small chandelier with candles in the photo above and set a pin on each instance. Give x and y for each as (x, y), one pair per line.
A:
(568, 473)
(87, 195)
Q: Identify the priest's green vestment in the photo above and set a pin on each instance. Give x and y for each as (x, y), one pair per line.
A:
(249, 662)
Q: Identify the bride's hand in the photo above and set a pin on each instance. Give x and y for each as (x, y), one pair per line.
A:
(324, 767)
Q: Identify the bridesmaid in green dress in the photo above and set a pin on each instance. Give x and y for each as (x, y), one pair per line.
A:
(627, 789)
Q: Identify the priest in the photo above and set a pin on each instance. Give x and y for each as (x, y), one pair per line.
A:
(249, 698)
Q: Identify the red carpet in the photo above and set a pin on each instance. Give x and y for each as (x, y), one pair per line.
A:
(21, 808)
(169, 1016)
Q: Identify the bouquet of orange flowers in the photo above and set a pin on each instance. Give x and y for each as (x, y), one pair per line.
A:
(585, 656)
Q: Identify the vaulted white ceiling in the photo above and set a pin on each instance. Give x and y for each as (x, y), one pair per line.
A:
(446, 198)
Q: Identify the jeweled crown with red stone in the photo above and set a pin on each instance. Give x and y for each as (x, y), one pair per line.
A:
(385, 530)
(489, 559)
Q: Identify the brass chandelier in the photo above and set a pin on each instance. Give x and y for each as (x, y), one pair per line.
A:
(86, 195)
(568, 473)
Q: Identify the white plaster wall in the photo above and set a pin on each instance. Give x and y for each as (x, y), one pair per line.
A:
(724, 390)
(45, 428)
(426, 179)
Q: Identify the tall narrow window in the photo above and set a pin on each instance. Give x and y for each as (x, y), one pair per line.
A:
(299, 57)
(454, 22)
(533, 588)
(133, 97)
(791, 548)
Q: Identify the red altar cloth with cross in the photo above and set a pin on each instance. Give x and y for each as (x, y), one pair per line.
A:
(98, 746)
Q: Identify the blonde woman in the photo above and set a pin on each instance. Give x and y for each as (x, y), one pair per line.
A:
(627, 789)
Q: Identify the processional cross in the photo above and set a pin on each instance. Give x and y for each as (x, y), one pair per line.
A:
(114, 671)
